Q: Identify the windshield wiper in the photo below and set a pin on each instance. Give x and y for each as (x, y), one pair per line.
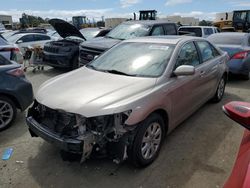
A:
(118, 72)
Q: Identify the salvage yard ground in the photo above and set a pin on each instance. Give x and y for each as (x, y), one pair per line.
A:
(199, 153)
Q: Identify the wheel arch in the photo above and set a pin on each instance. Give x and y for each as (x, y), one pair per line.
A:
(13, 98)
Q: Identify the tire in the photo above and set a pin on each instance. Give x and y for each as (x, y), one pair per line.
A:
(7, 112)
(144, 158)
(75, 62)
(220, 90)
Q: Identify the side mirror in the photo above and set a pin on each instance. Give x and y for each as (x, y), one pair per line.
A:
(239, 112)
(19, 41)
(184, 70)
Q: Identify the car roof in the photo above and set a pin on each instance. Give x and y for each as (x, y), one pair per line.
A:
(148, 22)
(197, 27)
(174, 39)
(228, 34)
(23, 34)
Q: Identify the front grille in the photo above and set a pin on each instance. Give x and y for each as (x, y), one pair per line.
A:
(51, 49)
(57, 121)
(88, 54)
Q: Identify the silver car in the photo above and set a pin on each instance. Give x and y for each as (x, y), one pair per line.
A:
(124, 102)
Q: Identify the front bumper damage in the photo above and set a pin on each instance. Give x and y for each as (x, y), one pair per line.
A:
(75, 134)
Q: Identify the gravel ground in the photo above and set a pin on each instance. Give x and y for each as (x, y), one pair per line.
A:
(199, 153)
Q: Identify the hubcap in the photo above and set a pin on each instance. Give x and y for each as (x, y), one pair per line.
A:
(221, 89)
(6, 113)
(151, 141)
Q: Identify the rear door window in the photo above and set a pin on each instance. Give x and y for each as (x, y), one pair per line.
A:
(196, 30)
(208, 31)
(170, 29)
(41, 37)
(207, 53)
(157, 30)
(27, 38)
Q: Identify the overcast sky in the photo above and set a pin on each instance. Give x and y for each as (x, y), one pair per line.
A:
(65, 9)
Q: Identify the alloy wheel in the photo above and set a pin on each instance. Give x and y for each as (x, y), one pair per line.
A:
(6, 113)
(151, 140)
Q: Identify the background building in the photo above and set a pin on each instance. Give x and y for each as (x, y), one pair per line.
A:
(6, 19)
(183, 20)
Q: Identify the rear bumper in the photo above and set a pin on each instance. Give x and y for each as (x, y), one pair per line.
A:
(239, 66)
(66, 144)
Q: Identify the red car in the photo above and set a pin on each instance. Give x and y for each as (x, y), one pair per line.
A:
(240, 176)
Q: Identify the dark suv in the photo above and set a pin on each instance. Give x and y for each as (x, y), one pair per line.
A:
(64, 53)
(127, 30)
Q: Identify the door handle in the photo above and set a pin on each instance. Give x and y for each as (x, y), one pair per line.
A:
(202, 73)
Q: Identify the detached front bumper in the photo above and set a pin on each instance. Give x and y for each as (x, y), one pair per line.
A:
(66, 144)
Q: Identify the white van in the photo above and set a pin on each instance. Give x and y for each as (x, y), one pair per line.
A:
(200, 31)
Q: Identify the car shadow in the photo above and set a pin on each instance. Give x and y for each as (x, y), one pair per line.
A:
(185, 151)
(236, 82)
(16, 130)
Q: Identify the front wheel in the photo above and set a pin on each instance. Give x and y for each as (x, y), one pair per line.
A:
(147, 141)
(220, 90)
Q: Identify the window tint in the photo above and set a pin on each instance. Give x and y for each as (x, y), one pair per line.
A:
(188, 55)
(158, 30)
(41, 37)
(215, 51)
(206, 50)
(208, 31)
(4, 61)
(170, 29)
(27, 38)
(196, 31)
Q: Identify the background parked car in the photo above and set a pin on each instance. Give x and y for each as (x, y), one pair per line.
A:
(65, 53)
(237, 45)
(10, 51)
(29, 40)
(127, 30)
(124, 102)
(15, 91)
(200, 31)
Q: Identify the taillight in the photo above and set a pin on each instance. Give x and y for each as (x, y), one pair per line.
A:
(241, 55)
(16, 72)
(10, 49)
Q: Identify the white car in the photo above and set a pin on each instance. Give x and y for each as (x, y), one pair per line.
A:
(29, 40)
(200, 31)
(10, 51)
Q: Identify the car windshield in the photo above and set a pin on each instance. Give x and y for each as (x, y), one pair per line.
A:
(127, 31)
(89, 33)
(197, 30)
(226, 39)
(135, 59)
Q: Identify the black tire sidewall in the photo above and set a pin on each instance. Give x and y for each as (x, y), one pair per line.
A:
(136, 157)
(8, 100)
(216, 98)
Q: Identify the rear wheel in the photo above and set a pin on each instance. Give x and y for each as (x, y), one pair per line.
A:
(148, 141)
(7, 112)
(220, 90)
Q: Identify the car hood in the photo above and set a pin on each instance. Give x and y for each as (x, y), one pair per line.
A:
(65, 29)
(93, 93)
(102, 43)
